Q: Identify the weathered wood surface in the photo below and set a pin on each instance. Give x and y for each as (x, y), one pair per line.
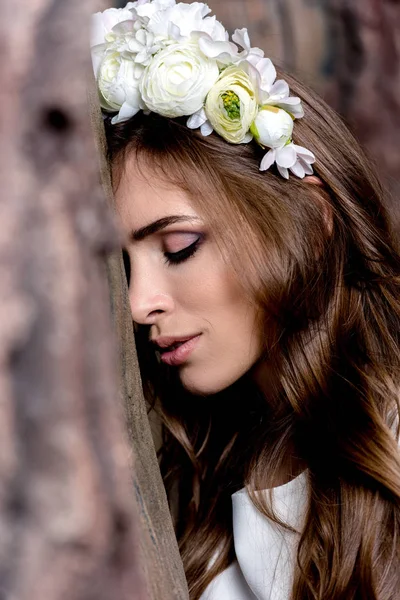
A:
(67, 518)
(164, 575)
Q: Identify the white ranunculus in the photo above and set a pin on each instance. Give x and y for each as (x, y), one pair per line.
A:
(272, 127)
(231, 105)
(177, 80)
(118, 82)
(102, 23)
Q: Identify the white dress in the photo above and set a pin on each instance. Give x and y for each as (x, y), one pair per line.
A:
(265, 553)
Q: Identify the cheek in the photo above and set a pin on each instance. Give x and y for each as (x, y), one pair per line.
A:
(208, 288)
(232, 341)
(237, 332)
(221, 300)
(201, 284)
(209, 291)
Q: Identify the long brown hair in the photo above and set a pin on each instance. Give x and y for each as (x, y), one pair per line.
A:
(329, 304)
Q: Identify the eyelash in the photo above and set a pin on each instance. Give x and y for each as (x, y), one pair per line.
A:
(175, 258)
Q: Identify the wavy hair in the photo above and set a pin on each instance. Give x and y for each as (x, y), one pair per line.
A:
(323, 267)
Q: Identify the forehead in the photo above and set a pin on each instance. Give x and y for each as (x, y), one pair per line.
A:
(144, 195)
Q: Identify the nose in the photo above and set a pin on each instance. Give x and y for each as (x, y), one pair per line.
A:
(148, 299)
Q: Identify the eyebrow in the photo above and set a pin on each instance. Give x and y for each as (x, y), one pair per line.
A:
(139, 234)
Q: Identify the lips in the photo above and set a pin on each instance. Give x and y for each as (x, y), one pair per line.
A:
(168, 342)
(176, 351)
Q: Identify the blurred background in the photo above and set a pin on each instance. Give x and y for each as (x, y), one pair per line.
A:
(348, 50)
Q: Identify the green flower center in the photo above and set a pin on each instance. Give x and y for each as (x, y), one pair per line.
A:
(231, 104)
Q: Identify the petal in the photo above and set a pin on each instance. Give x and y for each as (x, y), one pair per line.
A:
(98, 29)
(305, 154)
(123, 27)
(206, 129)
(268, 160)
(134, 45)
(141, 57)
(280, 89)
(284, 172)
(263, 97)
(215, 29)
(298, 169)
(292, 100)
(308, 170)
(286, 157)
(126, 112)
(252, 72)
(267, 72)
(97, 56)
(138, 71)
(174, 31)
(292, 105)
(255, 57)
(197, 119)
(241, 37)
(247, 138)
(143, 37)
(217, 49)
(255, 54)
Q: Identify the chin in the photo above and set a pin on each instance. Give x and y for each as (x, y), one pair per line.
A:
(205, 384)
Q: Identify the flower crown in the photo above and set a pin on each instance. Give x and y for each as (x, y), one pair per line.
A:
(172, 59)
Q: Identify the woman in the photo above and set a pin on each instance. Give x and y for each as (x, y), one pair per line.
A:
(266, 301)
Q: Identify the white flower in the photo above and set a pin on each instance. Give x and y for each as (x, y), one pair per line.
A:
(145, 9)
(305, 159)
(177, 80)
(214, 29)
(179, 21)
(165, 57)
(138, 43)
(184, 18)
(226, 52)
(271, 91)
(291, 157)
(118, 84)
(102, 23)
(231, 105)
(272, 127)
(199, 119)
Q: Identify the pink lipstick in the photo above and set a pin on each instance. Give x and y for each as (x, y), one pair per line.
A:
(178, 352)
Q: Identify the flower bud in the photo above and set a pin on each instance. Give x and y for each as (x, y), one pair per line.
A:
(272, 127)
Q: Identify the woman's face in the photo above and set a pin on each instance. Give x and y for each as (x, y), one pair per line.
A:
(181, 287)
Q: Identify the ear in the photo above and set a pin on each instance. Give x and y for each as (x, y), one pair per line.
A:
(314, 179)
(323, 199)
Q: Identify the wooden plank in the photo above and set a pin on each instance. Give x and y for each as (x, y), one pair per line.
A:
(163, 567)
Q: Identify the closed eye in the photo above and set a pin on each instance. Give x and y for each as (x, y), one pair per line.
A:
(175, 258)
